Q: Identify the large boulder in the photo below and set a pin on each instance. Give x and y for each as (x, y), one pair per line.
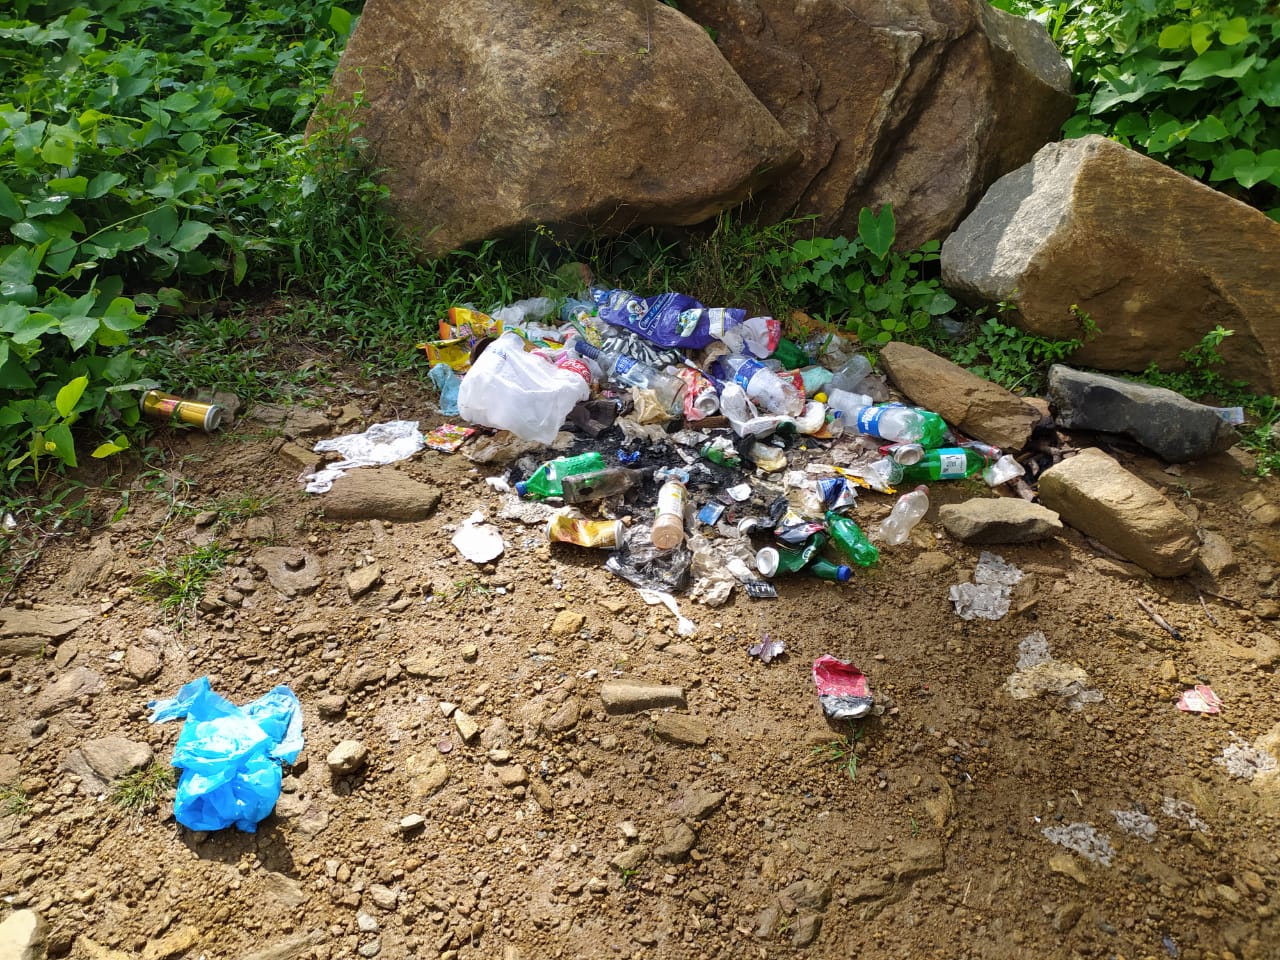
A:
(910, 102)
(489, 118)
(1155, 259)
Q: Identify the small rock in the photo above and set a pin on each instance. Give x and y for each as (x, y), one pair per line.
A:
(380, 493)
(470, 652)
(1068, 866)
(384, 898)
(467, 727)
(141, 664)
(698, 804)
(426, 774)
(512, 775)
(1216, 557)
(681, 729)
(413, 824)
(177, 941)
(565, 717)
(567, 622)
(918, 858)
(66, 690)
(370, 949)
(363, 579)
(988, 520)
(630, 858)
(22, 936)
(541, 794)
(366, 923)
(677, 840)
(630, 697)
(1168, 671)
(99, 763)
(347, 757)
(425, 667)
(806, 929)
(292, 571)
(333, 705)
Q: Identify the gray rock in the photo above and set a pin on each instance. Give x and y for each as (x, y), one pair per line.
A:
(807, 894)
(363, 579)
(978, 408)
(1166, 423)
(347, 757)
(10, 769)
(1100, 498)
(294, 421)
(333, 705)
(412, 825)
(283, 890)
(99, 763)
(1216, 557)
(629, 696)
(698, 804)
(141, 664)
(565, 717)
(806, 929)
(918, 858)
(383, 897)
(1154, 258)
(292, 571)
(482, 98)
(259, 528)
(292, 949)
(366, 923)
(999, 520)
(22, 936)
(380, 493)
(66, 690)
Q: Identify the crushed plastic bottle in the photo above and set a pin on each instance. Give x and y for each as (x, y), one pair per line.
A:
(634, 373)
(906, 513)
(848, 536)
(597, 484)
(944, 463)
(853, 372)
(545, 482)
(769, 392)
(1002, 471)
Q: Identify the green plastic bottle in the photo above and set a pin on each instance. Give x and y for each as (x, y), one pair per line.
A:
(790, 354)
(944, 463)
(545, 481)
(935, 429)
(826, 570)
(851, 540)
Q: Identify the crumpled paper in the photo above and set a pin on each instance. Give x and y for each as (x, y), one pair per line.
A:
(478, 541)
(382, 443)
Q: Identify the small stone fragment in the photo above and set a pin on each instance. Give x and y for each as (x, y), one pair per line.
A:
(681, 729)
(347, 757)
(363, 579)
(468, 729)
(631, 697)
(567, 622)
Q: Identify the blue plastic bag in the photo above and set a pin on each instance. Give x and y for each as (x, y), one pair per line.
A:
(448, 384)
(669, 319)
(230, 756)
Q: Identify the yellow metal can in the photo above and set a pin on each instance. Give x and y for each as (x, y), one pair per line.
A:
(166, 406)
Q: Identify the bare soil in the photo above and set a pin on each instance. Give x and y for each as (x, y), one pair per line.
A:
(767, 840)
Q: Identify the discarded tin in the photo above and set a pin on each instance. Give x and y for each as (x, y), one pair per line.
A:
(167, 406)
(585, 533)
(842, 689)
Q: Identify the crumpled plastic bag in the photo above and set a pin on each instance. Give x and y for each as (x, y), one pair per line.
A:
(230, 756)
(382, 443)
(510, 389)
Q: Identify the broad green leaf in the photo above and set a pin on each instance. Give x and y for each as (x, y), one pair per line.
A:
(340, 21)
(121, 315)
(16, 295)
(876, 232)
(75, 186)
(1216, 63)
(61, 255)
(110, 242)
(10, 207)
(29, 230)
(1235, 30)
(1201, 37)
(44, 206)
(190, 235)
(225, 156)
(59, 150)
(162, 222)
(111, 447)
(14, 376)
(1174, 37)
(59, 442)
(102, 184)
(1245, 167)
(1263, 84)
(79, 329)
(180, 102)
(12, 315)
(1209, 130)
(70, 395)
(22, 263)
(941, 303)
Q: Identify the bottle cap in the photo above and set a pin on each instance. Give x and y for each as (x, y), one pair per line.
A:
(767, 561)
(522, 488)
(844, 574)
(586, 349)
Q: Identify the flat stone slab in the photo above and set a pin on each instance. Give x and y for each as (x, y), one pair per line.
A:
(25, 632)
(624, 696)
(373, 493)
(100, 763)
(999, 520)
(1103, 500)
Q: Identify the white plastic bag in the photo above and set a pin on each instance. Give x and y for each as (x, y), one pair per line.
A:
(512, 390)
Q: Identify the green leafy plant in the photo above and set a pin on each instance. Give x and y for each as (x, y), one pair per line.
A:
(1194, 84)
(841, 752)
(14, 801)
(180, 585)
(860, 283)
(140, 790)
(1012, 357)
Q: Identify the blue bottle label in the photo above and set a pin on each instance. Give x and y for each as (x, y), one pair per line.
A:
(742, 376)
(869, 420)
(624, 364)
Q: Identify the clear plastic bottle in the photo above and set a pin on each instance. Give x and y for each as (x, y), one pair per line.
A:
(631, 372)
(853, 372)
(600, 483)
(847, 404)
(546, 481)
(906, 513)
(763, 387)
(668, 526)
(899, 424)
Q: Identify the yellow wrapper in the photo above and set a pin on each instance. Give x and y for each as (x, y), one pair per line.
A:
(604, 534)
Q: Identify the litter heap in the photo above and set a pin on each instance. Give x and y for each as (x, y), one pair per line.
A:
(710, 448)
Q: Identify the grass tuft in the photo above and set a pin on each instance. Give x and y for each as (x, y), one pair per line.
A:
(140, 791)
(180, 585)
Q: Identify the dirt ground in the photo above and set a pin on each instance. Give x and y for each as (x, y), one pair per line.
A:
(563, 830)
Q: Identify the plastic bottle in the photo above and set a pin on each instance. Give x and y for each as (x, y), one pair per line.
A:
(826, 570)
(634, 373)
(789, 354)
(851, 540)
(906, 513)
(546, 480)
(853, 372)
(900, 424)
(763, 387)
(944, 463)
(1003, 470)
(847, 404)
(780, 558)
(600, 483)
(668, 526)
(717, 454)
(758, 336)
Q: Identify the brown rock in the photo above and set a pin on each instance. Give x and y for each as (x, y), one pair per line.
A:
(978, 408)
(177, 941)
(379, 493)
(292, 571)
(940, 100)
(567, 622)
(681, 729)
(1216, 557)
(677, 840)
(141, 664)
(627, 696)
(100, 763)
(25, 632)
(1154, 258)
(998, 520)
(486, 100)
(66, 690)
(565, 717)
(1097, 496)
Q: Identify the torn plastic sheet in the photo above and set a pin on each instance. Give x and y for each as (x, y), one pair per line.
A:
(1200, 699)
(1136, 824)
(643, 565)
(843, 689)
(478, 541)
(382, 443)
(684, 626)
(988, 595)
(1038, 673)
(1245, 760)
(767, 650)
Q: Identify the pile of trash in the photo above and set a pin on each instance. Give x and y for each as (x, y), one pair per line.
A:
(711, 450)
